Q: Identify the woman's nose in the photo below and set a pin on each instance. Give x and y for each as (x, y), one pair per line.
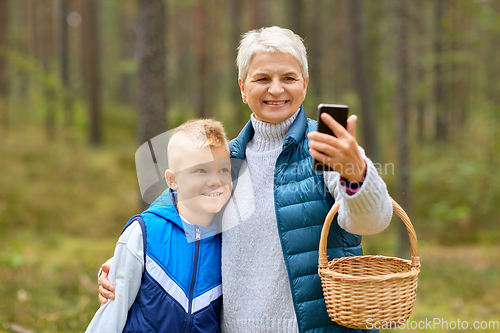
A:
(276, 87)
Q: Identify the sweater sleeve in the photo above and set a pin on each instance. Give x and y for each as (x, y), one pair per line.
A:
(126, 270)
(369, 210)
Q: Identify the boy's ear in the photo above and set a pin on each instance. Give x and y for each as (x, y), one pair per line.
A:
(171, 180)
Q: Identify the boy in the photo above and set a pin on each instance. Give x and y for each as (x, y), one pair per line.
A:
(166, 266)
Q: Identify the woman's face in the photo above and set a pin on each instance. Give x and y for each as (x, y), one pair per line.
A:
(274, 87)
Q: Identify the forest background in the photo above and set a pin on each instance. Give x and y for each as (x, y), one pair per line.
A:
(84, 83)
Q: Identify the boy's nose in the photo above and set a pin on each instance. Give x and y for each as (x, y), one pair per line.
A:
(215, 180)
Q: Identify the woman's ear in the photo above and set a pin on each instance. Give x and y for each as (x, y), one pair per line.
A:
(306, 83)
(171, 180)
(242, 89)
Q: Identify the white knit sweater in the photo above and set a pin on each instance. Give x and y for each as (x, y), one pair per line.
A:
(257, 296)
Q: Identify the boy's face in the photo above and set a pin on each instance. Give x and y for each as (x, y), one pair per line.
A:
(202, 178)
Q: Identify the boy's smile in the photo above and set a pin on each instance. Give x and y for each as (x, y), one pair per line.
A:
(213, 194)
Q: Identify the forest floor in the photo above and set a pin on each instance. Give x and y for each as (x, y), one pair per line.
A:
(48, 284)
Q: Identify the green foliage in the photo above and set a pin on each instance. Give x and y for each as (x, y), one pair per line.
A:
(456, 192)
(458, 283)
(49, 279)
(62, 207)
(64, 185)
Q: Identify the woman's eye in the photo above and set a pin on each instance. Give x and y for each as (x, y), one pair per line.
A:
(262, 80)
(290, 79)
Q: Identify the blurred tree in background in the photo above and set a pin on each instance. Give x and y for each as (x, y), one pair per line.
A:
(4, 26)
(402, 110)
(91, 60)
(152, 89)
(83, 83)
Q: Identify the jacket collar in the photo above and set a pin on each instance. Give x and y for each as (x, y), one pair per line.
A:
(298, 128)
(295, 133)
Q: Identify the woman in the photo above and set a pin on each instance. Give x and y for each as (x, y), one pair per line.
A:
(270, 253)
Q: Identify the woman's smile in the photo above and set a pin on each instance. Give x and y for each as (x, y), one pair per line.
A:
(275, 103)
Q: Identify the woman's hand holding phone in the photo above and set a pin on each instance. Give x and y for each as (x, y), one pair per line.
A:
(339, 152)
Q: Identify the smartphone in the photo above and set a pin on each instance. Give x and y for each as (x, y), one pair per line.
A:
(339, 113)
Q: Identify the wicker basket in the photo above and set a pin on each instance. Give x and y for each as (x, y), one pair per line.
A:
(360, 291)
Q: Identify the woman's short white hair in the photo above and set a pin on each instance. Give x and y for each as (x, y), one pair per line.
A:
(270, 39)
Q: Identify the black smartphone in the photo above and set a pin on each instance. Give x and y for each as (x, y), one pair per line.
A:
(339, 113)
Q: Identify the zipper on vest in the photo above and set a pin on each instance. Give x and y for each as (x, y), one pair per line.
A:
(193, 277)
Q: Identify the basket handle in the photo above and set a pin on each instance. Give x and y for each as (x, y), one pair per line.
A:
(323, 259)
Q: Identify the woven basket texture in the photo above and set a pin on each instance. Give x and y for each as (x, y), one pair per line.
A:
(362, 290)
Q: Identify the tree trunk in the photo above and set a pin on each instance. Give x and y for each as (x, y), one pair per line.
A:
(182, 92)
(257, 13)
(236, 31)
(4, 25)
(20, 11)
(64, 58)
(36, 35)
(421, 91)
(493, 73)
(315, 47)
(402, 107)
(91, 62)
(362, 80)
(152, 85)
(127, 45)
(47, 53)
(201, 58)
(295, 10)
(441, 116)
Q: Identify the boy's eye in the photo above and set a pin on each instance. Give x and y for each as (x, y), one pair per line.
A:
(224, 170)
(200, 171)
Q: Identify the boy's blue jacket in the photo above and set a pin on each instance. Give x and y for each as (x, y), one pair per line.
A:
(181, 285)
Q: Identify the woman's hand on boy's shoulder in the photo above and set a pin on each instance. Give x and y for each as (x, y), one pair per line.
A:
(106, 288)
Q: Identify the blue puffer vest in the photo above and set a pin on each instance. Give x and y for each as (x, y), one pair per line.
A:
(181, 284)
(302, 202)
